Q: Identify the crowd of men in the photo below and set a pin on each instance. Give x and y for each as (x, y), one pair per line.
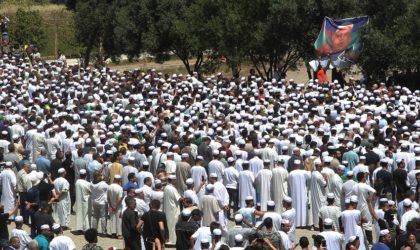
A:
(169, 160)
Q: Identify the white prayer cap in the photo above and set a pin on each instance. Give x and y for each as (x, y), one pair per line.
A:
(384, 160)
(186, 212)
(285, 148)
(33, 166)
(249, 198)
(327, 159)
(170, 154)
(117, 176)
(61, 170)
(271, 203)
(55, 226)
(217, 232)
(341, 167)
(109, 152)
(45, 226)
(238, 217)
(384, 232)
(18, 219)
(383, 200)
(213, 175)
(353, 199)
(200, 157)
(297, 162)
(285, 221)
(189, 181)
(9, 164)
(317, 162)
(417, 150)
(239, 238)
(391, 202)
(82, 171)
(350, 173)
(287, 199)
(230, 159)
(362, 157)
(184, 155)
(172, 177)
(296, 149)
(353, 238)
(330, 196)
(328, 222)
(131, 158)
(209, 187)
(216, 152)
(350, 144)
(407, 203)
(346, 200)
(157, 181)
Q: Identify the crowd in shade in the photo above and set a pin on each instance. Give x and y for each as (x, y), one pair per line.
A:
(156, 160)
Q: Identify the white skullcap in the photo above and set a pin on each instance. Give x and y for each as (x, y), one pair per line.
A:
(189, 181)
(55, 226)
(330, 196)
(131, 158)
(172, 177)
(117, 176)
(9, 164)
(216, 152)
(249, 198)
(287, 199)
(186, 212)
(353, 199)
(209, 187)
(82, 171)
(391, 202)
(271, 203)
(33, 167)
(217, 232)
(239, 238)
(383, 200)
(350, 173)
(170, 154)
(184, 155)
(285, 221)
(213, 175)
(157, 181)
(328, 222)
(384, 232)
(18, 219)
(45, 226)
(61, 170)
(297, 162)
(238, 217)
(407, 203)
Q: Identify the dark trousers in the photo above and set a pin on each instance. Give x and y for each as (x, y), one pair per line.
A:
(132, 243)
(22, 208)
(233, 198)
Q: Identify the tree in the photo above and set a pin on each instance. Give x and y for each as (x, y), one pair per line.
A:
(27, 27)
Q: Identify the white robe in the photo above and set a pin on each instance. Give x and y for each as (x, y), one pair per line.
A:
(362, 191)
(263, 186)
(222, 196)
(318, 185)
(297, 186)
(171, 209)
(114, 194)
(350, 219)
(8, 183)
(255, 165)
(290, 215)
(83, 190)
(336, 187)
(334, 239)
(217, 167)
(23, 237)
(198, 172)
(246, 186)
(279, 187)
(62, 207)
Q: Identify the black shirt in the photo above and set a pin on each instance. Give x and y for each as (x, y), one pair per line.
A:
(45, 191)
(4, 232)
(383, 182)
(371, 158)
(151, 221)
(129, 223)
(184, 230)
(42, 218)
(400, 177)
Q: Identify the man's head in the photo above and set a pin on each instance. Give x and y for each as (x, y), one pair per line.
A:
(45, 230)
(268, 223)
(385, 236)
(57, 229)
(131, 202)
(19, 222)
(285, 225)
(148, 181)
(91, 235)
(15, 242)
(155, 204)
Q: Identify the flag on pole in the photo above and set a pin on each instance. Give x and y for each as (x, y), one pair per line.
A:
(341, 40)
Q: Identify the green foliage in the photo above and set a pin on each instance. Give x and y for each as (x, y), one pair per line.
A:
(27, 27)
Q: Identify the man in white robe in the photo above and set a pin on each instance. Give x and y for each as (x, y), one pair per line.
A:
(279, 186)
(222, 196)
(171, 200)
(20, 233)
(333, 239)
(263, 185)
(216, 166)
(318, 189)
(62, 207)
(297, 186)
(289, 213)
(269, 153)
(129, 169)
(83, 190)
(198, 174)
(337, 185)
(256, 164)
(115, 196)
(8, 183)
(246, 181)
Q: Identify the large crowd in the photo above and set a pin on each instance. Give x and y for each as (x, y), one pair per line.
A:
(204, 162)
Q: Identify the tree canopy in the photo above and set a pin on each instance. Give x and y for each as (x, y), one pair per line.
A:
(272, 35)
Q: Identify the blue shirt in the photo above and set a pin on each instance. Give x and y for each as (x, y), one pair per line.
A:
(129, 185)
(380, 246)
(43, 164)
(42, 242)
